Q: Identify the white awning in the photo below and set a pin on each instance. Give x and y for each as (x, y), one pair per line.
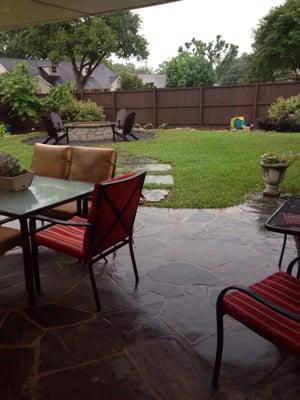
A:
(16, 14)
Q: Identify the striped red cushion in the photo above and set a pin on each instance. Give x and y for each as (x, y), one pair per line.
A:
(63, 238)
(282, 290)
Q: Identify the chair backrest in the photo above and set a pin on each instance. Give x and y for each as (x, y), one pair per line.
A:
(128, 124)
(50, 160)
(120, 119)
(113, 212)
(57, 121)
(9, 238)
(92, 164)
(50, 128)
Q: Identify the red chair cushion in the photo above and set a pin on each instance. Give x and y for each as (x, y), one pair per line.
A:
(63, 238)
(282, 290)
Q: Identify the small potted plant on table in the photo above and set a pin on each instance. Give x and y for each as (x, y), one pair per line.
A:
(274, 167)
(13, 176)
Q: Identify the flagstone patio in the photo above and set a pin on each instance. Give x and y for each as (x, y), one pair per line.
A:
(156, 341)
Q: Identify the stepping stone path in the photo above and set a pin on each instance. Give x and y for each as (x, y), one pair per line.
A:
(160, 176)
(156, 195)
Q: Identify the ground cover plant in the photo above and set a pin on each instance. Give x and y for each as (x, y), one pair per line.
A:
(210, 168)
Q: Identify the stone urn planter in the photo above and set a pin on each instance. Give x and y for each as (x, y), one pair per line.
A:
(273, 175)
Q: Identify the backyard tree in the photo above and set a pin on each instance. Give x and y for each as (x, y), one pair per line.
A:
(218, 52)
(130, 81)
(188, 70)
(238, 71)
(277, 43)
(86, 42)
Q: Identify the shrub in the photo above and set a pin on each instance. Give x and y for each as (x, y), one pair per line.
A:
(17, 91)
(79, 110)
(58, 97)
(285, 114)
(130, 82)
(10, 165)
(3, 130)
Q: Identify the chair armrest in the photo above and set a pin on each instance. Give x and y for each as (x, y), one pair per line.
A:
(251, 293)
(5, 220)
(59, 221)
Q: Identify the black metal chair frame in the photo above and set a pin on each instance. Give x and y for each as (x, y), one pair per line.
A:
(257, 297)
(56, 131)
(126, 129)
(118, 219)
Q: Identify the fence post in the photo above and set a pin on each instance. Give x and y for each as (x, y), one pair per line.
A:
(254, 110)
(114, 105)
(154, 113)
(200, 106)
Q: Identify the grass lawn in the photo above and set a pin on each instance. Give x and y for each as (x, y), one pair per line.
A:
(210, 169)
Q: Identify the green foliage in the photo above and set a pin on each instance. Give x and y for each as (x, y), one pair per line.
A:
(85, 42)
(219, 53)
(130, 81)
(237, 72)
(10, 165)
(17, 90)
(58, 97)
(77, 111)
(3, 130)
(289, 107)
(277, 43)
(186, 70)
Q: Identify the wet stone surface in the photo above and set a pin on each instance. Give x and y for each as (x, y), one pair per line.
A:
(155, 341)
(159, 179)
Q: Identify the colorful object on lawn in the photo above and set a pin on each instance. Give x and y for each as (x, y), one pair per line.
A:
(237, 123)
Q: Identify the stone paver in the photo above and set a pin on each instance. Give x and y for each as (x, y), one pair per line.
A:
(159, 179)
(157, 167)
(155, 195)
(155, 341)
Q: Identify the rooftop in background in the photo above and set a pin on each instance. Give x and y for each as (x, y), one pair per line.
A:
(50, 74)
(154, 80)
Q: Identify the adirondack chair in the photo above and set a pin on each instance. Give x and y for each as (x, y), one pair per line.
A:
(55, 128)
(124, 129)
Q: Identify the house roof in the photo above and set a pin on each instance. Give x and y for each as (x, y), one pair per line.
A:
(160, 81)
(101, 78)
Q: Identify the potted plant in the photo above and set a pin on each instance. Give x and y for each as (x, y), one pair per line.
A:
(13, 176)
(274, 167)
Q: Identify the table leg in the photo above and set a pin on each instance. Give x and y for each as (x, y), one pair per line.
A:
(297, 241)
(27, 259)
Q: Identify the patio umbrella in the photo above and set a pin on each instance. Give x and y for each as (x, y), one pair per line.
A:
(16, 14)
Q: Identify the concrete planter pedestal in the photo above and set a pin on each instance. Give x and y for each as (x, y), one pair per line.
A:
(273, 175)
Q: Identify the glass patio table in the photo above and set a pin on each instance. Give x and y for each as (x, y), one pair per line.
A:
(286, 220)
(44, 193)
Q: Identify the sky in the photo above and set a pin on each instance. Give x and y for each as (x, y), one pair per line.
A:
(168, 26)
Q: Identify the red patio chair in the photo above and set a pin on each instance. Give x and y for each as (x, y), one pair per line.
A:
(270, 308)
(108, 227)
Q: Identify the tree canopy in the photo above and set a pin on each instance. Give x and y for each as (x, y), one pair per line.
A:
(130, 81)
(218, 52)
(86, 42)
(277, 43)
(187, 70)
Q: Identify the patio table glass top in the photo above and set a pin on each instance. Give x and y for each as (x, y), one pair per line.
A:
(286, 218)
(42, 193)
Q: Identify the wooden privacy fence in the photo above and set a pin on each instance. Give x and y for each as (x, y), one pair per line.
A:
(202, 107)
